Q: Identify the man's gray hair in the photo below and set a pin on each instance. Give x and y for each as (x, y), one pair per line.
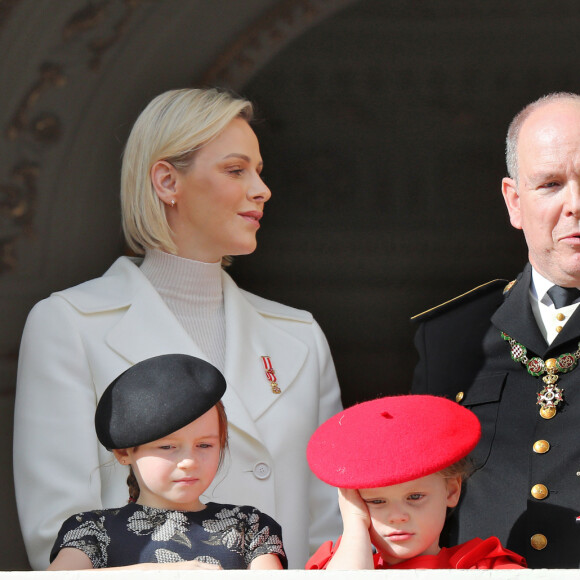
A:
(511, 143)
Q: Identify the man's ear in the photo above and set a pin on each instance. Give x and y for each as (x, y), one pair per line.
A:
(164, 179)
(453, 490)
(512, 201)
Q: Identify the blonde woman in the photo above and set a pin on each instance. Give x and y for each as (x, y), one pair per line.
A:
(191, 195)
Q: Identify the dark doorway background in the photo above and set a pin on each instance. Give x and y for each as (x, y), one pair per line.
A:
(383, 141)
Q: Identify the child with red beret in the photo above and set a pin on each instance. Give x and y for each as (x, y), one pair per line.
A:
(399, 463)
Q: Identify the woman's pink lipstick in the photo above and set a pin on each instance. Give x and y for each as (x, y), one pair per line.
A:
(253, 217)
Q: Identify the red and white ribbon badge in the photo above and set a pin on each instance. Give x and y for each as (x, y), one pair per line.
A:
(271, 375)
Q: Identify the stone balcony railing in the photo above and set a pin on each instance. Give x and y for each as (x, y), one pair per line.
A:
(303, 575)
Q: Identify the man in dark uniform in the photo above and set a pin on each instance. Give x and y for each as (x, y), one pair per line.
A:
(509, 352)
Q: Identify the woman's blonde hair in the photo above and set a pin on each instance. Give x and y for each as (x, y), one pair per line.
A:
(172, 127)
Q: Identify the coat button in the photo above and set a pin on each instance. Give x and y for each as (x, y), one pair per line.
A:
(541, 446)
(539, 491)
(538, 541)
(261, 470)
(459, 397)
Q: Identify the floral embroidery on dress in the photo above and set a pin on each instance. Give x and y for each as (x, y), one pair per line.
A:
(266, 543)
(240, 532)
(227, 529)
(164, 556)
(163, 525)
(208, 560)
(224, 535)
(90, 537)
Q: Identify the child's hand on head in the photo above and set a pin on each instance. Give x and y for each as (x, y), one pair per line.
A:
(352, 508)
(355, 550)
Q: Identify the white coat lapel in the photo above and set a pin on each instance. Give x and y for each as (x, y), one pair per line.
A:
(249, 336)
(149, 328)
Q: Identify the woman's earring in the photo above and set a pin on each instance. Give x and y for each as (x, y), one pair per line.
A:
(172, 203)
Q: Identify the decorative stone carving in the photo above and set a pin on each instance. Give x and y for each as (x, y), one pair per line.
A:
(262, 40)
(19, 188)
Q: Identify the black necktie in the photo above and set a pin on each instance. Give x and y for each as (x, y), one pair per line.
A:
(563, 296)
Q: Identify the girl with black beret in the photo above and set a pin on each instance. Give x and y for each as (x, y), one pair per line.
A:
(164, 419)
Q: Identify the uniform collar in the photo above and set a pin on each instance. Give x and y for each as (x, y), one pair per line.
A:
(516, 318)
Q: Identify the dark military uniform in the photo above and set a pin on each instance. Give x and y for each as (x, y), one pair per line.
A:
(526, 487)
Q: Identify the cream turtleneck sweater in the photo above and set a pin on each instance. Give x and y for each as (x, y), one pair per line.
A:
(193, 292)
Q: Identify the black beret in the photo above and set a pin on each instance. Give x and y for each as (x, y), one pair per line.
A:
(156, 397)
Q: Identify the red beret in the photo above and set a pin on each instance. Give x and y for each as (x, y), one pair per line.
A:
(391, 440)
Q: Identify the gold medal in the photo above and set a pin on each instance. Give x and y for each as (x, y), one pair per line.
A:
(271, 375)
(550, 396)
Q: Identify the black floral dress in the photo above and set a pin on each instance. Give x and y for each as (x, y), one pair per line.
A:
(228, 535)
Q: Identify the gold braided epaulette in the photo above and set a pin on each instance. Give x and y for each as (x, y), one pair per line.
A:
(473, 293)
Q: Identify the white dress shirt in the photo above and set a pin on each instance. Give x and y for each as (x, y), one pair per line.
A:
(551, 320)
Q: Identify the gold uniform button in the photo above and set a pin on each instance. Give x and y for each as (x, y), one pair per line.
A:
(541, 446)
(539, 491)
(559, 328)
(560, 316)
(548, 412)
(538, 541)
(459, 397)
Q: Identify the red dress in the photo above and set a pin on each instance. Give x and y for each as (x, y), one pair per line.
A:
(476, 554)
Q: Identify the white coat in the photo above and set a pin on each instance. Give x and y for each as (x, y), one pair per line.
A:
(78, 340)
